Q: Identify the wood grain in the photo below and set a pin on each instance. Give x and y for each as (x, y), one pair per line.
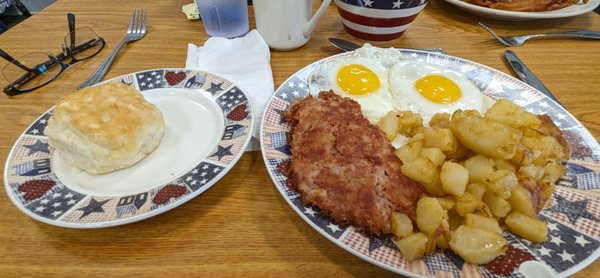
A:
(241, 226)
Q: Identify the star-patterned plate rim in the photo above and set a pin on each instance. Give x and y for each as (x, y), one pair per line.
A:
(573, 10)
(234, 141)
(486, 78)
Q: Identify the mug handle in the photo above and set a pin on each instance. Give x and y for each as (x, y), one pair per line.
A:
(310, 25)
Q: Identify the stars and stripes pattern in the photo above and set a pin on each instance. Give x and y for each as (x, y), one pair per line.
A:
(38, 127)
(55, 202)
(201, 175)
(150, 79)
(32, 147)
(565, 246)
(378, 20)
(325, 223)
(439, 265)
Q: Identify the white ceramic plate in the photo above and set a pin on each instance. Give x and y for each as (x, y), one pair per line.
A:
(573, 10)
(208, 124)
(572, 213)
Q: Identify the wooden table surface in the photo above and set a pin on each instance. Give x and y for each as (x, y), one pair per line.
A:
(242, 225)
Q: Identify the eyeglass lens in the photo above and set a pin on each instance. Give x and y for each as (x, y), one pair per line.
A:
(41, 63)
(83, 43)
(79, 44)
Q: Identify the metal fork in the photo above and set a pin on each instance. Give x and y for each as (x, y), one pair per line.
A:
(520, 40)
(136, 31)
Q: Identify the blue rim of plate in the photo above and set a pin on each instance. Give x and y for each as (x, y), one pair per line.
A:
(34, 188)
(572, 213)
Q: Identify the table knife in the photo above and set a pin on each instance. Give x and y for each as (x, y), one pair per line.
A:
(345, 45)
(527, 75)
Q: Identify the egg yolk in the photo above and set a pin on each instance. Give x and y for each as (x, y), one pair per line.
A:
(357, 80)
(438, 89)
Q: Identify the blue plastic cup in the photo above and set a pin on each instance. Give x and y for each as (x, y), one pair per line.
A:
(224, 18)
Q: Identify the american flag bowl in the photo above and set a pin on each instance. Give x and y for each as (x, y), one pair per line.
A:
(378, 20)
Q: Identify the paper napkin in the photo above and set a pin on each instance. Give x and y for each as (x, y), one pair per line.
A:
(245, 61)
(190, 11)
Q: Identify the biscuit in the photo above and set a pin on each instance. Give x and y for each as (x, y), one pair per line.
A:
(104, 128)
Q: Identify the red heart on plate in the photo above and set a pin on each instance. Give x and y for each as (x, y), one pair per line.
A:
(35, 188)
(168, 192)
(174, 78)
(239, 113)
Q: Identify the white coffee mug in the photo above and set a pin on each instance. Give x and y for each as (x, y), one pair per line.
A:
(286, 24)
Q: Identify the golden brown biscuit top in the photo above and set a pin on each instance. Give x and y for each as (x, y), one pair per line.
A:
(111, 115)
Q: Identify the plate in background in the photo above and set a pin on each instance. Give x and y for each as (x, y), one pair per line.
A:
(573, 10)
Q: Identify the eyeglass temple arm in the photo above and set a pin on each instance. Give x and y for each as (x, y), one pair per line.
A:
(71, 20)
(13, 60)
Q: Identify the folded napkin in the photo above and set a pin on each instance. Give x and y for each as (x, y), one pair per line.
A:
(191, 11)
(245, 61)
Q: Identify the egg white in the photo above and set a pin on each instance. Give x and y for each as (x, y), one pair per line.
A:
(374, 105)
(403, 76)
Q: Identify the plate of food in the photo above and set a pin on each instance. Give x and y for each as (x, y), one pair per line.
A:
(128, 148)
(526, 10)
(429, 165)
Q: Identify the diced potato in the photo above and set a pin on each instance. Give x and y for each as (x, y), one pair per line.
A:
(441, 138)
(477, 246)
(389, 125)
(522, 201)
(523, 155)
(408, 120)
(531, 171)
(466, 204)
(477, 189)
(503, 164)
(484, 223)
(486, 136)
(446, 202)
(442, 243)
(434, 155)
(498, 206)
(401, 225)
(553, 171)
(410, 151)
(413, 246)
(426, 173)
(529, 228)
(430, 215)
(440, 120)
(511, 114)
(454, 178)
(547, 147)
(454, 220)
(480, 168)
(502, 183)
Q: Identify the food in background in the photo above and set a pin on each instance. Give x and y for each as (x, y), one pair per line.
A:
(526, 5)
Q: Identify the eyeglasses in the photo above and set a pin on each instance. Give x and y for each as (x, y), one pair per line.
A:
(37, 69)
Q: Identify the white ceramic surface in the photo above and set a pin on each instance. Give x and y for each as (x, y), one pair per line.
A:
(573, 10)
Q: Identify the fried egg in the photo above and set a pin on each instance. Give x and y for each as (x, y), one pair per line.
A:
(429, 89)
(361, 76)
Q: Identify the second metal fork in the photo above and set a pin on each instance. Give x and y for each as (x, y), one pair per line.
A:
(136, 31)
(520, 40)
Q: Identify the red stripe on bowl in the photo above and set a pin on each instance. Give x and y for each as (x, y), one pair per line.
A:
(373, 37)
(377, 22)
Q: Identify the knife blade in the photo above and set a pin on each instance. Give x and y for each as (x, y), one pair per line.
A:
(527, 75)
(345, 45)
